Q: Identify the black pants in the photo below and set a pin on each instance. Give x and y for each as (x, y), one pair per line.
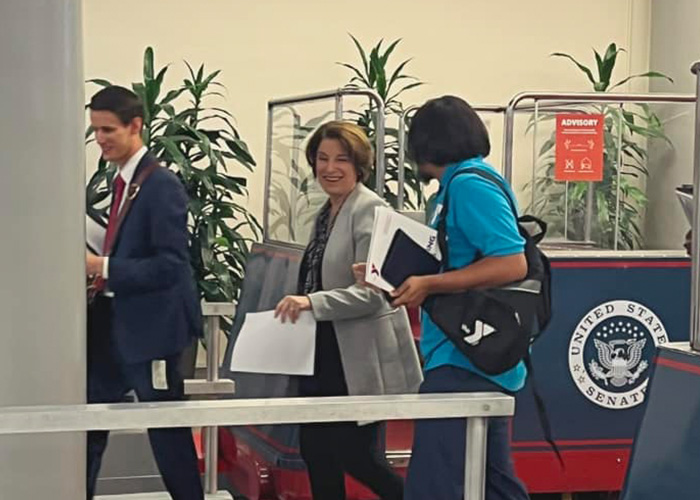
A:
(109, 381)
(331, 450)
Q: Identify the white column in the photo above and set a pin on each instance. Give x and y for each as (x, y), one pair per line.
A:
(42, 296)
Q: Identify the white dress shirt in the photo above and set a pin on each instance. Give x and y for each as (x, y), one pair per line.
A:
(127, 174)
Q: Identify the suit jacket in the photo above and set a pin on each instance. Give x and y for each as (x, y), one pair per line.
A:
(155, 309)
(375, 340)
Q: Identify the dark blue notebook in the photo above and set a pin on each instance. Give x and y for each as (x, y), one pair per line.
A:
(406, 258)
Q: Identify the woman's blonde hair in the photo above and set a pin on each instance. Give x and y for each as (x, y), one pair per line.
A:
(354, 141)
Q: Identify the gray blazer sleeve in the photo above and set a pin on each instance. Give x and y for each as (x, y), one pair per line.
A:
(354, 301)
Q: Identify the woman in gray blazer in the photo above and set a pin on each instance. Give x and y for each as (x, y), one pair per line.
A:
(364, 346)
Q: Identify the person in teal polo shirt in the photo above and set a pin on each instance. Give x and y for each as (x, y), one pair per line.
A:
(485, 249)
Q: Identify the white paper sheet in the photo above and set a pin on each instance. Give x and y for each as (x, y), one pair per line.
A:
(386, 223)
(95, 236)
(266, 345)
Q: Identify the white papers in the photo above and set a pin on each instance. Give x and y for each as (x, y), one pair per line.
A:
(386, 223)
(95, 236)
(266, 345)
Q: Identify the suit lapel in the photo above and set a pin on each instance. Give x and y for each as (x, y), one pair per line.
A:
(147, 159)
(341, 233)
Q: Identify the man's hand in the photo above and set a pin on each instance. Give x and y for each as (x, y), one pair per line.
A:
(413, 292)
(291, 307)
(93, 264)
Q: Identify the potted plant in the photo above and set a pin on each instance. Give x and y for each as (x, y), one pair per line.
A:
(374, 72)
(626, 132)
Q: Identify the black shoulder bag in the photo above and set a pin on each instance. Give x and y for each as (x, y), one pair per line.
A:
(495, 327)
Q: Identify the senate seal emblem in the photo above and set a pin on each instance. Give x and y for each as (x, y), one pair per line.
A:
(610, 352)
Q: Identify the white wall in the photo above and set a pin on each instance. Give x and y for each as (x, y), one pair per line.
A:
(675, 45)
(483, 50)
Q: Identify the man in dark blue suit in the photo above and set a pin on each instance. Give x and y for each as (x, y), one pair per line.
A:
(145, 310)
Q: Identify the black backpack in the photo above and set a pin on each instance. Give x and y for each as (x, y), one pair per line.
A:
(495, 327)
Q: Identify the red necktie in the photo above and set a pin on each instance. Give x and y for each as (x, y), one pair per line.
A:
(118, 193)
(118, 190)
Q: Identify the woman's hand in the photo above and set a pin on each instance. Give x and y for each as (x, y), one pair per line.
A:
(413, 292)
(359, 270)
(291, 307)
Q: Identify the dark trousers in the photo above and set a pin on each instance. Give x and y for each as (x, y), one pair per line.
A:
(108, 382)
(333, 449)
(437, 463)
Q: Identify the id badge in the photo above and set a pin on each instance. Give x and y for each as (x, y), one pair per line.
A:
(159, 375)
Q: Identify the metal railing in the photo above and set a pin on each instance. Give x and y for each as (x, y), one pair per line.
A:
(551, 100)
(212, 386)
(337, 95)
(403, 123)
(477, 408)
(621, 99)
(568, 99)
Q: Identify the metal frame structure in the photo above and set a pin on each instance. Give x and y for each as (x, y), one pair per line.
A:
(554, 99)
(296, 124)
(552, 103)
(337, 95)
(212, 386)
(477, 408)
(403, 122)
(401, 192)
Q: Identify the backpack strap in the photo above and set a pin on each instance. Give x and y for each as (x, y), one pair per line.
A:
(542, 413)
(133, 191)
(442, 221)
(442, 241)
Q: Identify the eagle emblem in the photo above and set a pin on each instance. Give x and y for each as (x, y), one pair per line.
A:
(621, 361)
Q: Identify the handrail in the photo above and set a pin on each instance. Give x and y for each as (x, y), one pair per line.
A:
(569, 98)
(336, 94)
(241, 412)
(475, 407)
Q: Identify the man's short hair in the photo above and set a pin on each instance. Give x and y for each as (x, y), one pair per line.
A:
(120, 101)
(447, 130)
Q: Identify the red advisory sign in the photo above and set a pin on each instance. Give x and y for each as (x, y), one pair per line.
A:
(579, 155)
